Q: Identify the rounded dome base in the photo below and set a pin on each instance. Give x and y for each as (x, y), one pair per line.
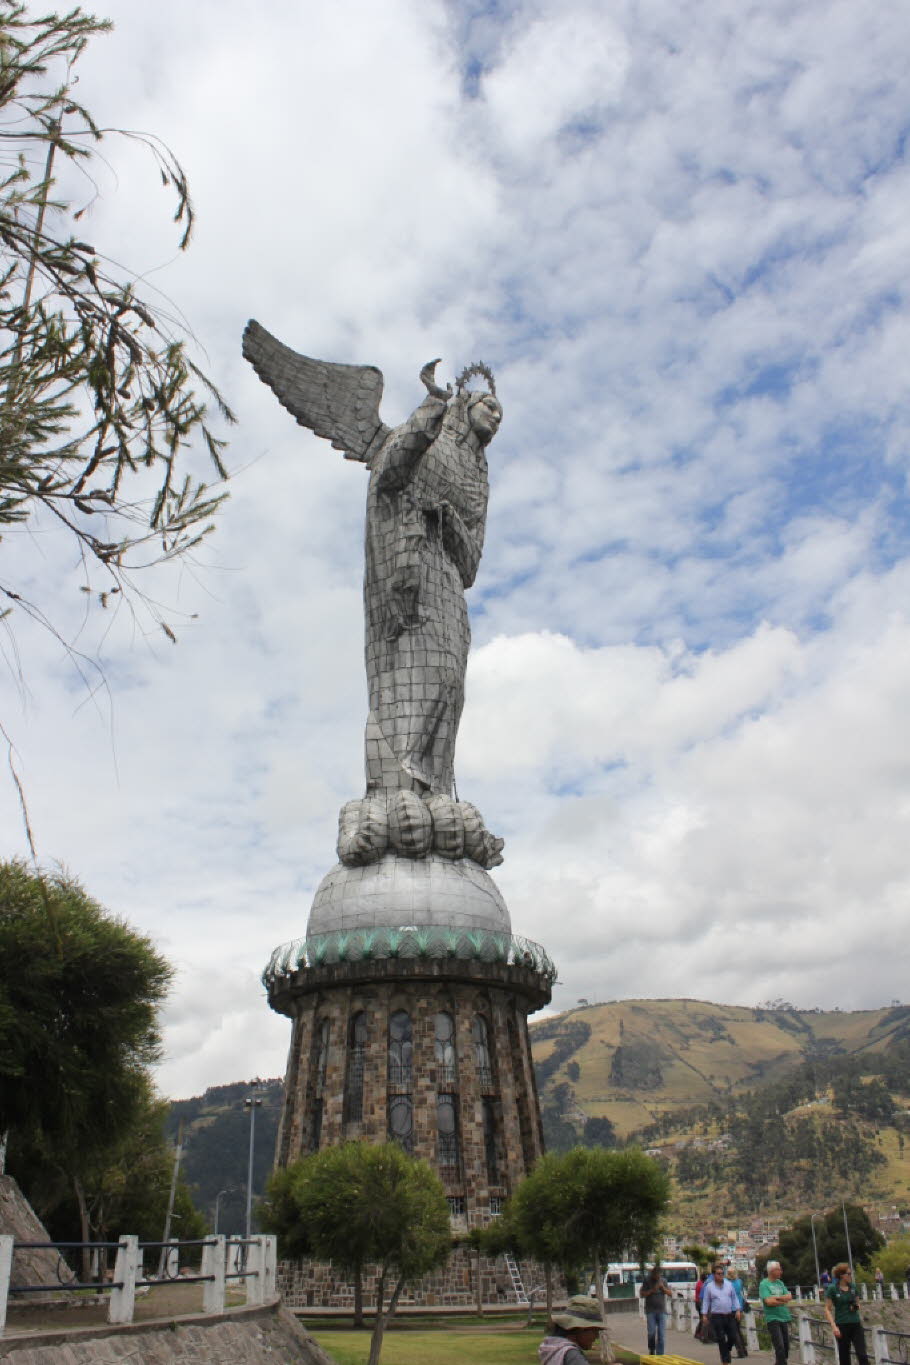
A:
(396, 891)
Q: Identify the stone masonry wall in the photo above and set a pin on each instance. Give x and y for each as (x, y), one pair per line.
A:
(313, 1284)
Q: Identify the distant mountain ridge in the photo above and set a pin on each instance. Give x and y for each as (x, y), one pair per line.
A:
(632, 1060)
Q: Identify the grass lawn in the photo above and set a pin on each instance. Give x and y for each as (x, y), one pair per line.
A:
(449, 1346)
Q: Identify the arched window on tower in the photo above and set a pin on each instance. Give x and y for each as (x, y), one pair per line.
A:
(401, 1104)
(446, 1133)
(353, 1087)
(321, 1042)
(482, 1058)
(400, 1041)
(444, 1051)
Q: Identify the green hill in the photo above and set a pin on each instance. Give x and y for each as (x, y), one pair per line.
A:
(748, 1107)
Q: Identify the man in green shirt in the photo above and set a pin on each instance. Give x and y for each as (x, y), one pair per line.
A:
(775, 1299)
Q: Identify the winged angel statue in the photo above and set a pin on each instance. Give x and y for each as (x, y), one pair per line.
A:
(425, 520)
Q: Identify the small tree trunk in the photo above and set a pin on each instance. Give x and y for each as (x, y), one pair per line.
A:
(85, 1229)
(358, 1297)
(379, 1321)
(606, 1346)
(383, 1320)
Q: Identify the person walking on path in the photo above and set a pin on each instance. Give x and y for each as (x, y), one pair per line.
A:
(776, 1299)
(842, 1311)
(720, 1307)
(572, 1333)
(656, 1292)
(739, 1334)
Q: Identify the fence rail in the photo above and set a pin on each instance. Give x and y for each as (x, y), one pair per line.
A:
(253, 1260)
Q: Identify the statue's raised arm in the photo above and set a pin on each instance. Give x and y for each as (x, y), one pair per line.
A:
(426, 515)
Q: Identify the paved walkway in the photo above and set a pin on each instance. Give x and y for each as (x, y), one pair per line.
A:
(629, 1329)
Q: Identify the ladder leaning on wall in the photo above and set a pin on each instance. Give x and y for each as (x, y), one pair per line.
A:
(515, 1276)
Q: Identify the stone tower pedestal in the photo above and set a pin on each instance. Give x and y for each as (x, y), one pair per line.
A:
(409, 998)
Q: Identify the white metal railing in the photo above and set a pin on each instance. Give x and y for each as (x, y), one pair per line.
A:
(253, 1262)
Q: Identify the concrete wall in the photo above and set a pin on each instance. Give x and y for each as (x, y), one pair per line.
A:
(259, 1336)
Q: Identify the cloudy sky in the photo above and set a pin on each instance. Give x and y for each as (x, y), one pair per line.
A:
(680, 234)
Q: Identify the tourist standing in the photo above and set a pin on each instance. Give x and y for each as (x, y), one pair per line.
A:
(720, 1307)
(739, 1335)
(656, 1292)
(775, 1299)
(879, 1282)
(842, 1311)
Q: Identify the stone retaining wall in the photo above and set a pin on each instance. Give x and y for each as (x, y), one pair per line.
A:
(260, 1336)
(315, 1284)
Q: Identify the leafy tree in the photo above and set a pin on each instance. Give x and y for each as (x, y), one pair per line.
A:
(870, 1099)
(893, 1259)
(598, 1132)
(99, 399)
(794, 1247)
(79, 994)
(360, 1204)
(125, 1185)
(588, 1205)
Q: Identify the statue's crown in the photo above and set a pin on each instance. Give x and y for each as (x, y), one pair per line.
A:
(477, 368)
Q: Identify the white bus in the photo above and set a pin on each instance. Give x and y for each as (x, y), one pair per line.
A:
(623, 1278)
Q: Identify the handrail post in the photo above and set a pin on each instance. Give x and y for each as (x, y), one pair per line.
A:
(270, 1268)
(255, 1288)
(879, 1345)
(751, 1332)
(170, 1258)
(235, 1256)
(213, 1265)
(126, 1269)
(6, 1269)
(806, 1345)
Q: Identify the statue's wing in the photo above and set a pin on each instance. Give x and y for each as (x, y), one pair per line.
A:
(339, 402)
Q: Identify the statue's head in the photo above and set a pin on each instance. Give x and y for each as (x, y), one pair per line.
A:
(484, 415)
(476, 410)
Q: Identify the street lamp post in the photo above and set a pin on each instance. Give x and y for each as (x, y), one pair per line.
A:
(252, 1103)
(847, 1235)
(218, 1198)
(818, 1278)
